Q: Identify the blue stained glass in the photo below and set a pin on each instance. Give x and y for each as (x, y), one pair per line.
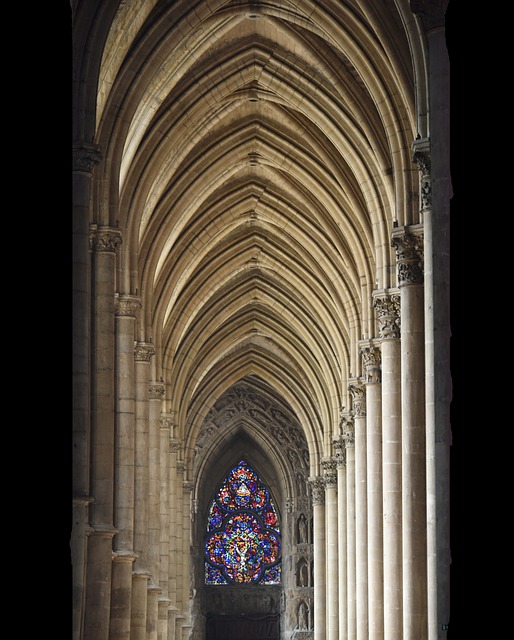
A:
(243, 536)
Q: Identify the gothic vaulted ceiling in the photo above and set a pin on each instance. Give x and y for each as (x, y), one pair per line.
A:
(256, 157)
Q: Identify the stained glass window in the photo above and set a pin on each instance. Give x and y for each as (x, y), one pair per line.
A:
(243, 534)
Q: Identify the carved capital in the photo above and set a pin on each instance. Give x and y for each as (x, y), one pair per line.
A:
(388, 316)
(181, 466)
(421, 156)
(409, 253)
(358, 392)
(166, 422)
(126, 305)
(188, 486)
(156, 391)
(143, 351)
(175, 445)
(85, 157)
(329, 471)
(340, 451)
(104, 239)
(317, 485)
(372, 358)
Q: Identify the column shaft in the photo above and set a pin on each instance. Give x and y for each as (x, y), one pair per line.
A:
(351, 532)
(342, 557)
(331, 525)
(139, 605)
(121, 596)
(98, 584)
(154, 477)
(319, 551)
(152, 613)
(392, 486)
(414, 521)
(143, 354)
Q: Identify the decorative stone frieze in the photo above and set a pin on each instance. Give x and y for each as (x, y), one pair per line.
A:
(372, 358)
(388, 316)
(85, 157)
(104, 239)
(126, 305)
(143, 351)
(409, 253)
(317, 485)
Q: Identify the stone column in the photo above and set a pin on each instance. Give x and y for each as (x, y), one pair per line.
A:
(187, 515)
(152, 613)
(342, 559)
(318, 510)
(166, 430)
(175, 549)
(156, 395)
(388, 315)
(85, 157)
(358, 392)
(139, 605)
(126, 308)
(331, 519)
(104, 242)
(372, 366)
(408, 244)
(143, 354)
(180, 618)
(434, 163)
(349, 440)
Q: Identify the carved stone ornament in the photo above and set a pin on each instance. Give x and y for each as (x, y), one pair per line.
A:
(166, 422)
(156, 391)
(175, 445)
(85, 157)
(409, 259)
(329, 472)
(388, 316)
(126, 305)
(104, 239)
(318, 490)
(359, 400)
(143, 351)
(372, 358)
(340, 451)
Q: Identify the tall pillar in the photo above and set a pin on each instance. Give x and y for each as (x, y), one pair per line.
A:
(342, 559)
(152, 613)
(408, 246)
(143, 354)
(388, 315)
(331, 526)
(358, 392)
(434, 163)
(104, 242)
(126, 309)
(372, 366)
(156, 395)
(166, 431)
(351, 564)
(318, 512)
(139, 605)
(180, 619)
(85, 157)
(174, 547)
(187, 515)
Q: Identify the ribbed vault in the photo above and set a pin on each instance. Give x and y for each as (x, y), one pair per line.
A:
(258, 155)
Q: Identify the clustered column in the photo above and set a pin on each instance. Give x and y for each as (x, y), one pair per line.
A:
(349, 440)
(340, 456)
